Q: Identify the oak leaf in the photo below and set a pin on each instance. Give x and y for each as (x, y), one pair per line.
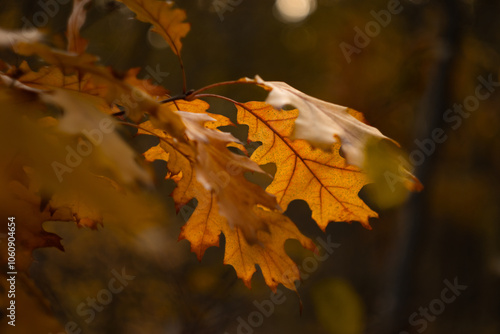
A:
(323, 124)
(268, 253)
(83, 116)
(203, 231)
(206, 222)
(216, 168)
(179, 156)
(221, 171)
(23, 204)
(324, 180)
(114, 90)
(52, 77)
(23, 201)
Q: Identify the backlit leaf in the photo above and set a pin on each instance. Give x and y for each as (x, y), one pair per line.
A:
(207, 222)
(324, 180)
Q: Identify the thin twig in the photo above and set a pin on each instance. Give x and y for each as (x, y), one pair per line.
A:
(182, 96)
(224, 83)
(224, 98)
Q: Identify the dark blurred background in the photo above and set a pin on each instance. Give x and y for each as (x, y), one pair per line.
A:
(423, 59)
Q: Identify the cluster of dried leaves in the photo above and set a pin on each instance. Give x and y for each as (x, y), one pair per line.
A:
(69, 100)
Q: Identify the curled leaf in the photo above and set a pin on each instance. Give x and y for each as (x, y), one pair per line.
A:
(221, 171)
(323, 124)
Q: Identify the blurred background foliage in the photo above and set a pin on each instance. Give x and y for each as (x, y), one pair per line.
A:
(428, 58)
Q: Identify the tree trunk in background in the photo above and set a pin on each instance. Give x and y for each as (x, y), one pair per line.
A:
(415, 223)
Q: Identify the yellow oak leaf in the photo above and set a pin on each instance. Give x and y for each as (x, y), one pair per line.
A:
(112, 89)
(216, 168)
(180, 156)
(23, 204)
(324, 124)
(206, 222)
(50, 77)
(324, 180)
(22, 200)
(203, 231)
(222, 171)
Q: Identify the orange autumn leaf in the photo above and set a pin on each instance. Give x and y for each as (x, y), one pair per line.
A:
(219, 170)
(167, 21)
(112, 89)
(115, 91)
(324, 180)
(196, 153)
(52, 77)
(323, 124)
(23, 201)
(269, 253)
(84, 112)
(49, 78)
(179, 157)
(206, 223)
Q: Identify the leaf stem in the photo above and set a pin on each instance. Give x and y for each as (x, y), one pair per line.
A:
(178, 97)
(221, 97)
(224, 98)
(196, 93)
(138, 127)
